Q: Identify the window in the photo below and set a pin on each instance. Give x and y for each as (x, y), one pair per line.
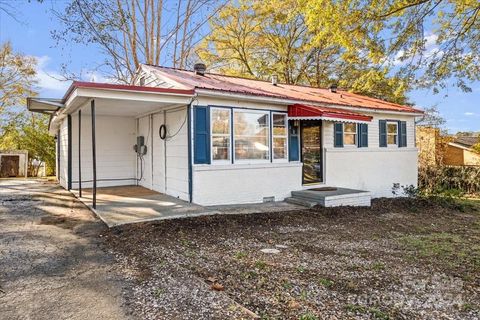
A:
(220, 128)
(350, 134)
(252, 135)
(280, 136)
(392, 133)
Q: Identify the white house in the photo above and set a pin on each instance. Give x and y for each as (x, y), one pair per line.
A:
(212, 139)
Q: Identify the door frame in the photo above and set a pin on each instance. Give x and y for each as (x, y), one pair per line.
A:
(322, 160)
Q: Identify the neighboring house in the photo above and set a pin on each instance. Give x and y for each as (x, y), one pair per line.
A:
(13, 163)
(213, 139)
(460, 152)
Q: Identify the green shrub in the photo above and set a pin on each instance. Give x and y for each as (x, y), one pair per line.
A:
(451, 181)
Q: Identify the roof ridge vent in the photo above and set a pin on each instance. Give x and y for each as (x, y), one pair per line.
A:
(200, 68)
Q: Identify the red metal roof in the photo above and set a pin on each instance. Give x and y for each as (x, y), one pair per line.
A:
(123, 87)
(230, 84)
(306, 111)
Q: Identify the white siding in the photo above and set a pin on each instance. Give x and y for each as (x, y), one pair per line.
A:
(144, 164)
(373, 134)
(177, 153)
(158, 155)
(169, 156)
(64, 153)
(115, 137)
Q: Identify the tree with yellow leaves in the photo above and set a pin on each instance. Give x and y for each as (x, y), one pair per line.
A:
(272, 37)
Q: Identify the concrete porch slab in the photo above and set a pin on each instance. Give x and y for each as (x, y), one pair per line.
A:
(133, 204)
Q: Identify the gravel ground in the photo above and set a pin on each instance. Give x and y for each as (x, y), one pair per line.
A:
(402, 259)
(52, 265)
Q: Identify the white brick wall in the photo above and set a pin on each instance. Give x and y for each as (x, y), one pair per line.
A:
(232, 184)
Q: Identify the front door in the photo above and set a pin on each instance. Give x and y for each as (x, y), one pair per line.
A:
(311, 134)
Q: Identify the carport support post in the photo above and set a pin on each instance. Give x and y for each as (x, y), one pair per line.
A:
(79, 153)
(94, 154)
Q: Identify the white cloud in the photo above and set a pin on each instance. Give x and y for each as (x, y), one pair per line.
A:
(471, 114)
(49, 79)
(430, 49)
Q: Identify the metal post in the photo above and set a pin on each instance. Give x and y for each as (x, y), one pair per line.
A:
(94, 154)
(69, 152)
(79, 153)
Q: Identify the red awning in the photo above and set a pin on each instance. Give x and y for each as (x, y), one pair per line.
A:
(308, 112)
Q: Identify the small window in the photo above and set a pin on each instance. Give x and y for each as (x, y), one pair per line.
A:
(350, 134)
(220, 126)
(392, 133)
(280, 136)
(252, 135)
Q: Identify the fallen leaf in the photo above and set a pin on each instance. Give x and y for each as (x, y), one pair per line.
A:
(217, 286)
(212, 279)
(292, 304)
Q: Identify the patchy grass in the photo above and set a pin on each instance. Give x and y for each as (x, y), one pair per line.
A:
(402, 258)
(364, 310)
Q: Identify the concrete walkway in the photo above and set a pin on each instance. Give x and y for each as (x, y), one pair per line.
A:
(52, 265)
(133, 204)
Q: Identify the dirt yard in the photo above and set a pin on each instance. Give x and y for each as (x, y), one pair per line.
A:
(402, 259)
(52, 262)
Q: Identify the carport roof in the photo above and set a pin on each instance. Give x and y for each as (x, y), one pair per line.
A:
(47, 105)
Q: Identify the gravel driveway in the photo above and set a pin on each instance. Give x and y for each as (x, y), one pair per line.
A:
(52, 265)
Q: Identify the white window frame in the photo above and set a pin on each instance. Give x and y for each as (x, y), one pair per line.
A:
(279, 136)
(391, 134)
(230, 133)
(355, 142)
(246, 161)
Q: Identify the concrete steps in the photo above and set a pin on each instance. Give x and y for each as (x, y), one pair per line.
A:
(301, 202)
(330, 197)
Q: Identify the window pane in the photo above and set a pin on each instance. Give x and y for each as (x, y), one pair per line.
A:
(349, 138)
(220, 148)
(220, 121)
(279, 148)
(392, 128)
(279, 127)
(350, 127)
(392, 139)
(251, 136)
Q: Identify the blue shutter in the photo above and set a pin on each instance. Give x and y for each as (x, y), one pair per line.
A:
(362, 135)
(402, 133)
(382, 128)
(293, 142)
(201, 135)
(338, 135)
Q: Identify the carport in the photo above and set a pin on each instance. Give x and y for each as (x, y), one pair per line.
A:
(132, 204)
(96, 127)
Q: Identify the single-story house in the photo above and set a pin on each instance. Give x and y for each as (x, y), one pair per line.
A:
(213, 139)
(460, 152)
(13, 163)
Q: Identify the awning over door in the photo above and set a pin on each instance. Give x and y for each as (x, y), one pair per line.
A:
(308, 112)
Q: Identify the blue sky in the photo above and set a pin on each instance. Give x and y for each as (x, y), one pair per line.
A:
(32, 36)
